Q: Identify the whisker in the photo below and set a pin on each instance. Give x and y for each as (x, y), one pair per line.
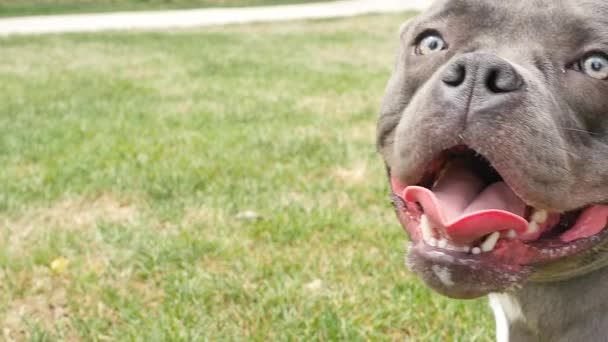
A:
(577, 130)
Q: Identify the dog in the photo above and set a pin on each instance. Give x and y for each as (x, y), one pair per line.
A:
(494, 133)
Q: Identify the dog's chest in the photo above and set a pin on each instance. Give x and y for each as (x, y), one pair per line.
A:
(506, 311)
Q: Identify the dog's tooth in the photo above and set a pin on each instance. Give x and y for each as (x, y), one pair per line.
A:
(448, 245)
(425, 227)
(533, 227)
(452, 247)
(540, 216)
(490, 243)
(455, 248)
(511, 234)
(476, 250)
(461, 249)
(432, 242)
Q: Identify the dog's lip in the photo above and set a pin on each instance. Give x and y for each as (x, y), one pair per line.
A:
(466, 198)
(512, 252)
(465, 276)
(497, 243)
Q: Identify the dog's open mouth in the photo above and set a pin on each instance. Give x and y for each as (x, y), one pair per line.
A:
(463, 213)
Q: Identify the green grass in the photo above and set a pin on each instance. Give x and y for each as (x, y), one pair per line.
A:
(132, 154)
(44, 7)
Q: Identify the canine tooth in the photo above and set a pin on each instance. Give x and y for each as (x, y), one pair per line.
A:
(490, 243)
(432, 242)
(466, 249)
(540, 216)
(512, 234)
(425, 227)
(443, 243)
(476, 250)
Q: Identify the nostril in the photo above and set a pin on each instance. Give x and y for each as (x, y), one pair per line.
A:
(500, 80)
(455, 75)
(484, 73)
(492, 82)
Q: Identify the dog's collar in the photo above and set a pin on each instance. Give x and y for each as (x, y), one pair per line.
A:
(585, 263)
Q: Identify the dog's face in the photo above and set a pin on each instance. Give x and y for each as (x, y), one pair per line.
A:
(494, 131)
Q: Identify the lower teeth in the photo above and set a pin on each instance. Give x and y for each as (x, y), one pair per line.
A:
(490, 242)
(428, 235)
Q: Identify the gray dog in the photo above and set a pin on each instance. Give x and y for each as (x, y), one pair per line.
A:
(494, 131)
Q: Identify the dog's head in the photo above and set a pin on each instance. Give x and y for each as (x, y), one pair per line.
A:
(494, 131)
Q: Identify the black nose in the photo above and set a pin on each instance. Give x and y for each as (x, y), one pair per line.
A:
(482, 75)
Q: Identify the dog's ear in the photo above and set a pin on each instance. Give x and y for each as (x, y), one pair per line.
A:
(397, 80)
(404, 27)
(404, 33)
(396, 96)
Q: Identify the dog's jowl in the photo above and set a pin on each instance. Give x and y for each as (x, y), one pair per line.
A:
(494, 132)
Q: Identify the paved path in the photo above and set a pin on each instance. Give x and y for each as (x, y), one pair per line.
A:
(200, 17)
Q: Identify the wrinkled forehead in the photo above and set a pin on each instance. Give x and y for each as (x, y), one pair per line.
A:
(563, 21)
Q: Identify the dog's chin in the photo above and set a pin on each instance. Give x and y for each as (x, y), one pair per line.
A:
(469, 242)
(463, 276)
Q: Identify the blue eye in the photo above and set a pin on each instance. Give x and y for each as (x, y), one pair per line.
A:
(430, 44)
(596, 66)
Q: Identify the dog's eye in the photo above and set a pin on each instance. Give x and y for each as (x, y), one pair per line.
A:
(596, 66)
(430, 44)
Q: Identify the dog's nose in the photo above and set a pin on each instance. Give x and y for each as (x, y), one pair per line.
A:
(482, 75)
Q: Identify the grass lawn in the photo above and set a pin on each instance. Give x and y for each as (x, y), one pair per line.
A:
(128, 160)
(43, 7)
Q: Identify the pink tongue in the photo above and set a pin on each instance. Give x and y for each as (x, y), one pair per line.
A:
(591, 222)
(464, 210)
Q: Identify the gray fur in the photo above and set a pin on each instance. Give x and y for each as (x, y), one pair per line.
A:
(573, 310)
(547, 135)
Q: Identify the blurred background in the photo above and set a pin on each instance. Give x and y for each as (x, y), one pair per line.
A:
(206, 182)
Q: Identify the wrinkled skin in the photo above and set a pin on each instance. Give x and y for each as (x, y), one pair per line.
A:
(523, 104)
(549, 140)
